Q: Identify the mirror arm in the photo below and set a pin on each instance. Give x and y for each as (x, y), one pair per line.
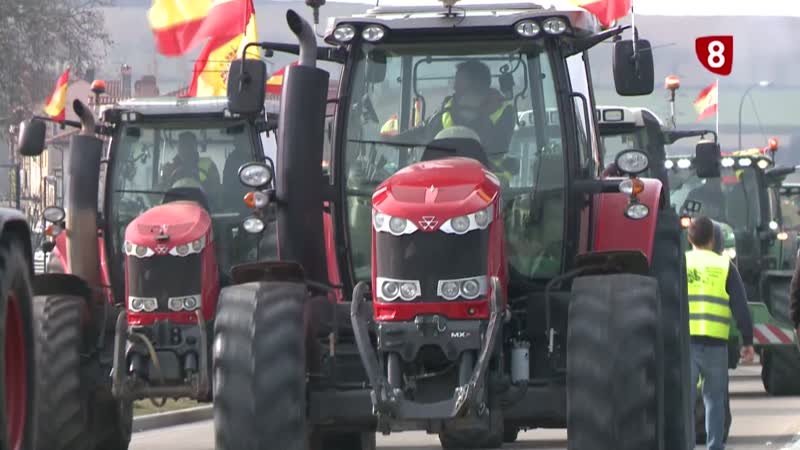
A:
(332, 54)
(595, 186)
(591, 41)
(98, 129)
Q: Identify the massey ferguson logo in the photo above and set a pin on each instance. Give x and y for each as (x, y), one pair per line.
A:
(428, 223)
(162, 249)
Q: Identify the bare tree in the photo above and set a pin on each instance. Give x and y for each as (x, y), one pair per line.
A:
(39, 38)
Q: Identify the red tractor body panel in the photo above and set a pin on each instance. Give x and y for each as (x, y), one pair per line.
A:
(163, 230)
(428, 194)
(613, 231)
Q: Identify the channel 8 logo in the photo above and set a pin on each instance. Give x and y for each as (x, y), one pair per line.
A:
(715, 53)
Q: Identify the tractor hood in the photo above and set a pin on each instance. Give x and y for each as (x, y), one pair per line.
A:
(442, 189)
(164, 227)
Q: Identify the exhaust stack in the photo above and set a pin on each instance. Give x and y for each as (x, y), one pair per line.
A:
(80, 199)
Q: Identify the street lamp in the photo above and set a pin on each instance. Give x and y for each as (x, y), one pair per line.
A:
(762, 83)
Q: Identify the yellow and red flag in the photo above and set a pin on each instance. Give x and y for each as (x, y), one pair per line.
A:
(606, 11)
(181, 25)
(706, 103)
(210, 76)
(56, 103)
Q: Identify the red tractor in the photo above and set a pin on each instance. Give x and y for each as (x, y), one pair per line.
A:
(18, 367)
(434, 280)
(158, 210)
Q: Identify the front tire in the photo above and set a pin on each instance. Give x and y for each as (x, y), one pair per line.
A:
(260, 368)
(779, 371)
(18, 369)
(613, 352)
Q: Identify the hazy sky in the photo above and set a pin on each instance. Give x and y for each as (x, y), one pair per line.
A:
(660, 7)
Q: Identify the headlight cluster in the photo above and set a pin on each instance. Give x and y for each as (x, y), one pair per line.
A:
(187, 303)
(531, 28)
(139, 251)
(464, 224)
(468, 288)
(196, 246)
(139, 304)
(395, 225)
(390, 290)
(371, 33)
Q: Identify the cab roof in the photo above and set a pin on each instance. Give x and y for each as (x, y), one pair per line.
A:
(174, 106)
(469, 16)
(624, 115)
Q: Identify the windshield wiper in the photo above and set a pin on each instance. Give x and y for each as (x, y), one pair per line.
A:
(396, 144)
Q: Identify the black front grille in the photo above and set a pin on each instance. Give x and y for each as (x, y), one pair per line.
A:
(164, 276)
(430, 257)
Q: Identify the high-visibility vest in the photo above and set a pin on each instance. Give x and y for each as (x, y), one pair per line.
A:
(391, 127)
(709, 302)
(204, 167)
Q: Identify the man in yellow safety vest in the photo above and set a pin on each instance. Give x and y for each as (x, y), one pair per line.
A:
(188, 164)
(716, 293)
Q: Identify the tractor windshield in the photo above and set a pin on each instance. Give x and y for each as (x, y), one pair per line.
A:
(790, 208)
(150, 158)
(733, 198)
(403, 95)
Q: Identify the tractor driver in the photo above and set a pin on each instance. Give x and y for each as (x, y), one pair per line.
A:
(188, 164)
(475, 105)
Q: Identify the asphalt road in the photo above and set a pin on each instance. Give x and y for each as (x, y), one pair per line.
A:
(759, 422)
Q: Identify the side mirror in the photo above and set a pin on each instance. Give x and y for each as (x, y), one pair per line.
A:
(247, 80)
(707, 159)
(776, 175)
(633, 76)
(376, 66)
(31, 137)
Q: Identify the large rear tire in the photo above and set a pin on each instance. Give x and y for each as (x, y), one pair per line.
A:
(781, 365)
(669, 267)
(260, 368)
(18, 372)
(63, 400)
(613, 352)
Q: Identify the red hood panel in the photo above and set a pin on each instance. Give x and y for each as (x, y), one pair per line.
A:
(443, 188)
(182, 221)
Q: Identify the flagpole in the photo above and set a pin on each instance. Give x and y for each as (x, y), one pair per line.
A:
(717, 128)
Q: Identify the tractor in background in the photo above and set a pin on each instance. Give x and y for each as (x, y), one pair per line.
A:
(417, 290)
(160, 207)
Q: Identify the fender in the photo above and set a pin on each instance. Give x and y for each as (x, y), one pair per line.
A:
(60, 255)
(613, 231)
(13, 221)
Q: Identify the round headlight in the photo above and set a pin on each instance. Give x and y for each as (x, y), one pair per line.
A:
(470, 289)
(684, 163)
(344, 33)
(378, 219)
(632, 162)
(198, 244)
(554, 25)
(373, 33)
(137, 304)
(762, 163)
(636, 211)
(190, 303)
(182, 250)
(482, 217)
(253, 225)
(397, 225)
(150, 304)
(528, 28)
(408, 291)
(390, 290)
(128, 247)
(460, 224)
(141, 251)
(54, 214)
(669, 164)
(175, 304)
(745, 162)
(255, 175)
(450, 290)
(773, 225)
(727, 162)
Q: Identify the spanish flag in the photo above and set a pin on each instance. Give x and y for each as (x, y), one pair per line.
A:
(275, 82)
(606, 11)
(706, 103)
(56, 103)
(181, 25)
(210, 77)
